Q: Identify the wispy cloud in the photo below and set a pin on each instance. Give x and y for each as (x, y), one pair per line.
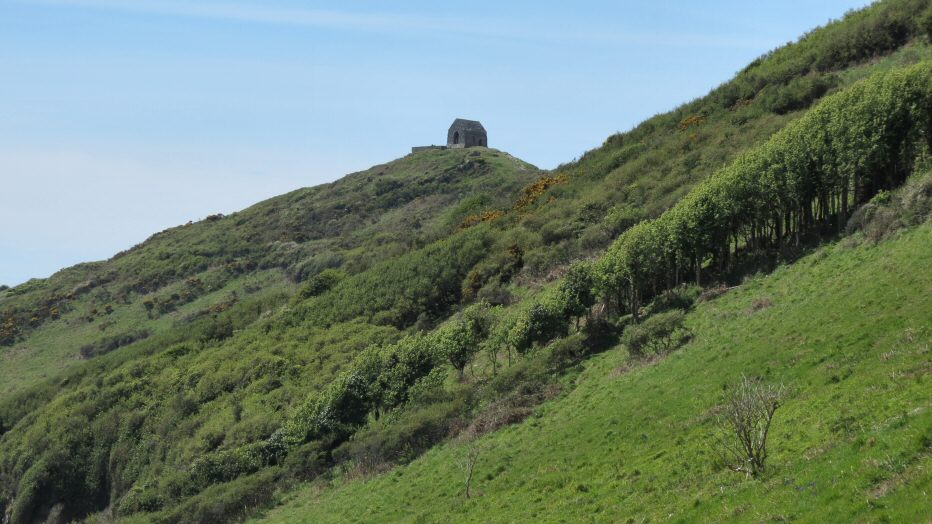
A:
(260, 14)
(389, 23)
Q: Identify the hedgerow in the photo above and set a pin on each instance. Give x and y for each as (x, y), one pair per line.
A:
(806, 177)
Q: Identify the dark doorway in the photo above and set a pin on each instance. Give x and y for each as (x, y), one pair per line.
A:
(456, 137)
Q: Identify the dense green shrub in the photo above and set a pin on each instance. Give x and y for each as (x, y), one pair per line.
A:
(925, 22)
(424, 281)
(489, 275)
(539, 324)
(621, 218)
(602, 331)
(404, 437)
(59, 469)
(314, 265)
(378, 379)
(658, 334)
(799, 93)
(320, 283)
(307, 461)
(214, 330)
(430, 388)
(567, 351)
(227, 465)
(680, 297)
(525, 375)
(226, 502)
(336, 412)
(108, 344)
(402, 366)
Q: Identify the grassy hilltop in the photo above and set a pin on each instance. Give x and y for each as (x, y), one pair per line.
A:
(179, 278)
(341, 352)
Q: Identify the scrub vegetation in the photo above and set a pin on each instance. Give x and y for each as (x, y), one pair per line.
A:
(738, 284)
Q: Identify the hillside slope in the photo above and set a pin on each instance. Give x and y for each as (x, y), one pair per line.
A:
(846, 329)
(356, 325)
(247, 260)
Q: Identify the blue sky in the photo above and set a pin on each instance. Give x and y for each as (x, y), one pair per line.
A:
(119, 118)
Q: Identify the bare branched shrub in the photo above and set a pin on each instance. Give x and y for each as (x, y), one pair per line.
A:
(467, 461)
(744, 422)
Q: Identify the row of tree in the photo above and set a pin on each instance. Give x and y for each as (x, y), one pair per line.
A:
(381, 378)
(805, 178)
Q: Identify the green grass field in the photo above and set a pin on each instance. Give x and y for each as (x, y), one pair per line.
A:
(846, 329)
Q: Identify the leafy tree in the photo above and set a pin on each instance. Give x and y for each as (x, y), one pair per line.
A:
(403, 364)
(537, 325)
(576, 291)
(461, 338)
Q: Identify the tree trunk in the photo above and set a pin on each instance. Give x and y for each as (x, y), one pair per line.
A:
(843, 214)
